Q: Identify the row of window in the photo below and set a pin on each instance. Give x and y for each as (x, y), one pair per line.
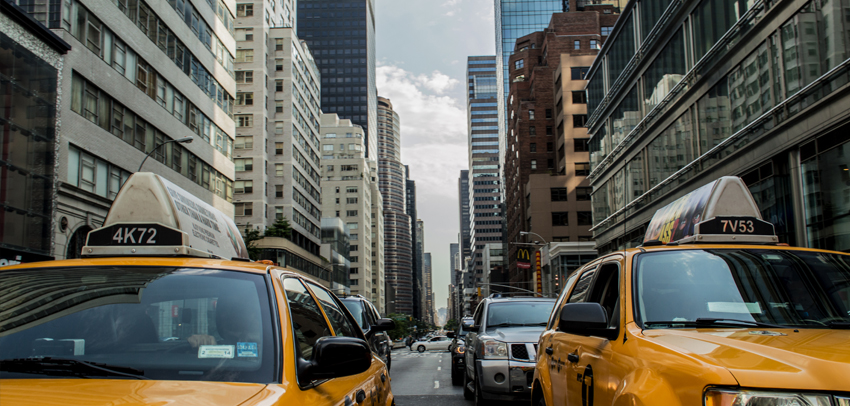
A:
(190, 15)
(101, 109)
(168, 43)
(303, 202)
(123, 59)
(562, 218)
(94, 174)
(559, 194)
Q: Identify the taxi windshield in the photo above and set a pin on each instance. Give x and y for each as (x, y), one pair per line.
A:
(743, 288)
(136, 322)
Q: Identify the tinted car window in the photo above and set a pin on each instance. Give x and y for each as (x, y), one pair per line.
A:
(795, 288)
(308, 323)
(168, 323)
(339, 321)
(358, 311)
(508, 314)
(580, 292)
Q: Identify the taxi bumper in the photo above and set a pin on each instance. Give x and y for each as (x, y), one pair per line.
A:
(505, 379)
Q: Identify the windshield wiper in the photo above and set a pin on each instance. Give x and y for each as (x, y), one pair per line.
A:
(68, 367)
(700, 322)
(839, 325)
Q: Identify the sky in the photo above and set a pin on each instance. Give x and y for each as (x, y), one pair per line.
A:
(422, 46)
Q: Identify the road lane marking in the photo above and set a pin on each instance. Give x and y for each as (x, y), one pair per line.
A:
(439, 368)
(436, 384)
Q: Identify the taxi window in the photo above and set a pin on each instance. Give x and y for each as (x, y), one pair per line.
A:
(800, 289)
(355, 307)
(342, 326)
(579, 294)
(555, 311)
(162, 323)
(308, 323)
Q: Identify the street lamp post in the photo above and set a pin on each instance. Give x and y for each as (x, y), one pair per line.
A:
(546, 244)
(184, 140)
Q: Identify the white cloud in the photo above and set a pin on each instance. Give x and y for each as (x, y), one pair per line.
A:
(451, 3)
(434, 145)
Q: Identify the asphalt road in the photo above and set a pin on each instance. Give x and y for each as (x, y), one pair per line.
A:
(424, 379)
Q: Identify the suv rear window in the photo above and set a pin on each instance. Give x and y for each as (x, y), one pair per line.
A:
(511, 313)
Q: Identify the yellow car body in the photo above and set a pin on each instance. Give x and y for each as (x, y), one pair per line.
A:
(370, 387)
(684, 365)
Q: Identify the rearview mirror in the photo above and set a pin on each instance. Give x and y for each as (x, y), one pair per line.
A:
(383, 325)
(587, 319)
(467, 324)
(335, 357)
(450, 334)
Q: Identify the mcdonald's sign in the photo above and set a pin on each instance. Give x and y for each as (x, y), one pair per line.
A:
(523, 258)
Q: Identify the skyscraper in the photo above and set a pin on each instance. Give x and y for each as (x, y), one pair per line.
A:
(482, 110)
(342, 37)
(415, 240)
(277, 125)
(398, 247)
(463, 215)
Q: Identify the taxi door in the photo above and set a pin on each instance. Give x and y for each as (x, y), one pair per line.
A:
(313, 314)
(586, 359)
(552, 351)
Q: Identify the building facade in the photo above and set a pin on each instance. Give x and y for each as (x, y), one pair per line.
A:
(398, 244)
(32, 60)
(379, 278)
(760, 93)
(464, 214)
(342, 37)
(484, 182)
(347, 193)
(144, 74)
(546, 164)
(417, 238)
(428, 311)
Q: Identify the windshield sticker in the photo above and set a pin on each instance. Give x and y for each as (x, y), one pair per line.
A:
(247, 350)
(734, 307)
(215, 351)
(767, 333)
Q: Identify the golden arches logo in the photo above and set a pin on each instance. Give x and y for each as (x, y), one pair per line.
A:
(522, 253)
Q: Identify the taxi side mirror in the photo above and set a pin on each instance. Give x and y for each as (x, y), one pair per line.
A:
(587, 319)
(450, 334)
(335, 357)
(383, 325)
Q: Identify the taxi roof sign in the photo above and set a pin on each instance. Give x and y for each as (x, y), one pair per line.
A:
(154, 217)
(721, 211)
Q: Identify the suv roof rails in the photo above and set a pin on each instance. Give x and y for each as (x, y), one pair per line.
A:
(516, 294)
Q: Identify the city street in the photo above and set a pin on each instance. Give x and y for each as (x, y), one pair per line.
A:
(424, 379)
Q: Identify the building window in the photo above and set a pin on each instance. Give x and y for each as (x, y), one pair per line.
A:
(550, 147)
(351, 213)
(582, 169)
(579, 97)
(559, 194)
(560, 218)
(278, 148)
(583, 193)
(244, 164)
(244, 142)
(605, 31)
(576, 44)
(278, 190)
(548, 130)
(244, 34)
(278, 85)
(354, 248)
(581, 144)
(579, 120)
(579, 73)
(532, 131)
(585, 218)
(244, 76)
(244, 10)
(278, 107)
(244, 209)
(278, 212)
(531, 114)
(519, 64)
(351, 200)
(278, 44)
(244, 98)
(244, 120)
(533, 164)
(244, 55)
(278, 65)
(243, 186)
(532, 147)
(594, 44)
(351, 189)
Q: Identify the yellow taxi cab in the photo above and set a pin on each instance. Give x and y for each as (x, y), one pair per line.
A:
(710, 311)
(164, 309)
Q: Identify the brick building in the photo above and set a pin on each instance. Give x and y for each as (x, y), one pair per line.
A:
(545, 138)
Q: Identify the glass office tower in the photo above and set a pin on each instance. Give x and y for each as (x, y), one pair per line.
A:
(342, 37)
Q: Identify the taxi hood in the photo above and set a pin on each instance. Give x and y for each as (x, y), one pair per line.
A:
(814, 359)
(71, 392)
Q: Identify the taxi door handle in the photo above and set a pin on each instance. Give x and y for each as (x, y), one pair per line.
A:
(549, 350)
(361, 396)
(572, 357)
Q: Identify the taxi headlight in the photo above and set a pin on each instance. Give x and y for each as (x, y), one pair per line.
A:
(726, 397)
(495, 350)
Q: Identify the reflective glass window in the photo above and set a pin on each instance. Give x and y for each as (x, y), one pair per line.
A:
(625, 118)
(666, 71)
(671, 150)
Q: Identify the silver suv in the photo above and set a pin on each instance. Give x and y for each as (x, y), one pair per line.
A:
(501, 347)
